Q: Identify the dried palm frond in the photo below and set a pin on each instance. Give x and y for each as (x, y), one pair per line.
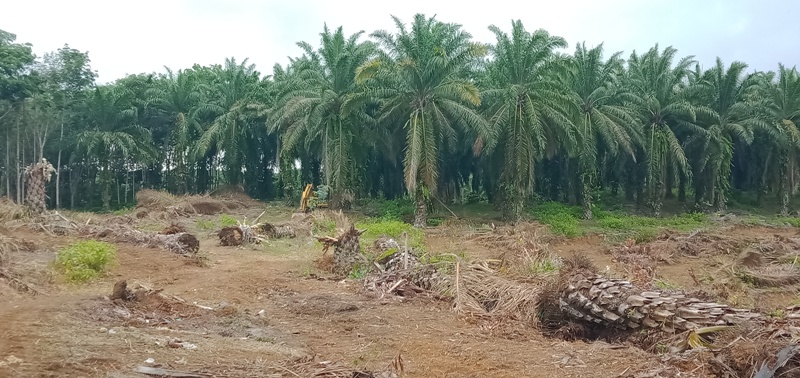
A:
(773, 275)
(693, 338)
(478, 290)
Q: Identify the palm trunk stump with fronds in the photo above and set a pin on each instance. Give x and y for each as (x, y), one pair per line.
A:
(347, 250)
(619, 304)
(38, 175)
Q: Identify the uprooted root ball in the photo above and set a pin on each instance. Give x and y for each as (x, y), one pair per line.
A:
(231, 236)
(189, 242)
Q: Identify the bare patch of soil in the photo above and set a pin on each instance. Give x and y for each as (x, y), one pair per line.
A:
(267, 311)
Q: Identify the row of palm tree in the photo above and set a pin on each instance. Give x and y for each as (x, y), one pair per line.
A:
(428, 112)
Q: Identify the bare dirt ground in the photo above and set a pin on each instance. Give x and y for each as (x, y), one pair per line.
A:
(265, 310)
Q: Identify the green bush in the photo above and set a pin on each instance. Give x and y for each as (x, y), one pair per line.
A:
(85, 260)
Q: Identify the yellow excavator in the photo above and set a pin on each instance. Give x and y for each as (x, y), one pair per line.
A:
(312, 200)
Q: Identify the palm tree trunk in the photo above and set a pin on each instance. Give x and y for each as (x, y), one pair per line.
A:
(8, 166)
(682, 187)
(587, 199)
(58, 167)
(421, 211)
(513, 202)
(617, 303)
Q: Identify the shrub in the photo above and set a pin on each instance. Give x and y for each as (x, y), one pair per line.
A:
(85, 260)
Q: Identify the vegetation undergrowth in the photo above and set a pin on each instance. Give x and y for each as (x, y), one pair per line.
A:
(566, 220)
(226, 220)
(377, 227)
(85, 260)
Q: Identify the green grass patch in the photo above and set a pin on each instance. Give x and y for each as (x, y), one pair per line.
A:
(562, 219)
(643, 228)
(324, 226)
(85, 260)
(375, 228)
(226, 220)
(396, 209)
(204, 224)
(359, 272)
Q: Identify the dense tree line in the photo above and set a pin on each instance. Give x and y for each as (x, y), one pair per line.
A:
(423, 110)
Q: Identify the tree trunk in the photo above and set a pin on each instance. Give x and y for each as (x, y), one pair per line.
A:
(670, 183)
(19, 169)
(682, 188)
(421, 211)
(617, 303)
(37, 177)
(587, 199)
(513, 203)
(8, 166)
(58, 168)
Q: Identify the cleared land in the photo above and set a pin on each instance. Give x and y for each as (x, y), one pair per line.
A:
(275, 309)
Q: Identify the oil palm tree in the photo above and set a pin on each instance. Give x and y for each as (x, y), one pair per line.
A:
(237, 92)
(664, 114)
(730, 118)
(177, 96)
(420, 79)
(783, 111)
(527, 107)
(601, 117)
(112, 135)
(324, 106)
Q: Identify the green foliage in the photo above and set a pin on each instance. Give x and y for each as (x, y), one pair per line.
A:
(397, 209)
(85, 260)
(643, 228)
(205, 224)
(359, 272)
(226, 220)
(665, 285)
(324, 226)
(122, 211)
(426, 106)
(392, 228)
(562, 219)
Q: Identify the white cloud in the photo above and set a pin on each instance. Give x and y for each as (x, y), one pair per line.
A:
(143, 36)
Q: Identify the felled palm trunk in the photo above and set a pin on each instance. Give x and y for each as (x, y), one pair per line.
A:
(617, 303)
(38, 175)
(347, 250)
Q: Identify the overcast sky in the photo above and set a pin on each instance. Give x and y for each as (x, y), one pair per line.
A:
(126, 37)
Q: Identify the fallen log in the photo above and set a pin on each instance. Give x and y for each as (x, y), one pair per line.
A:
(590, 297)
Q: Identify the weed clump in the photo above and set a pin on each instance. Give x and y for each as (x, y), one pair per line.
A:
(85, 260)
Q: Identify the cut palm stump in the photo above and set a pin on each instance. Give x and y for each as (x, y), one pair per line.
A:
(38, 175)
(347, 250)
(254, 233)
